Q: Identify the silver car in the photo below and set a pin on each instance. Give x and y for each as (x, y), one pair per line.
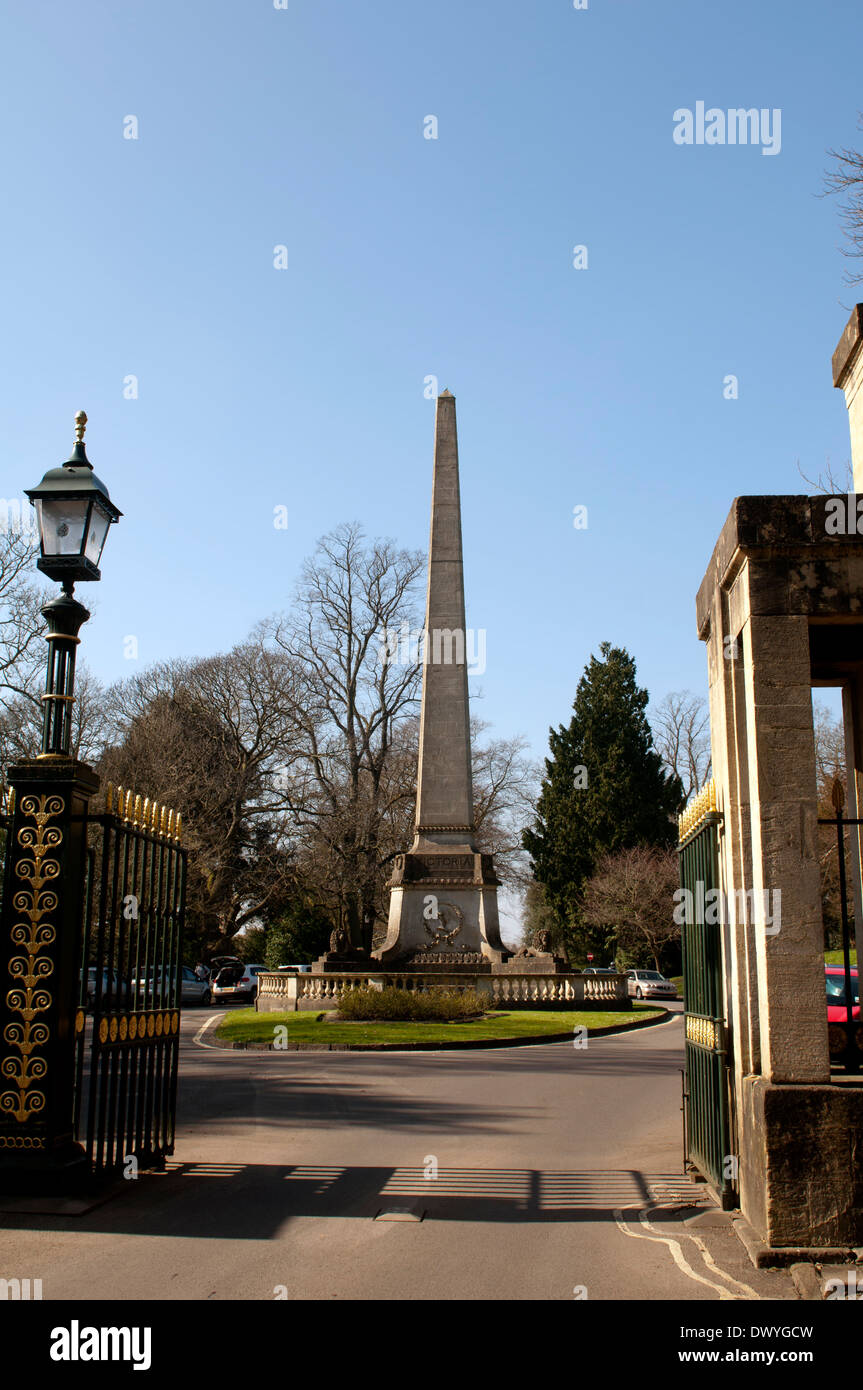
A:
(649, 984)
(150, 988)
(113, 988)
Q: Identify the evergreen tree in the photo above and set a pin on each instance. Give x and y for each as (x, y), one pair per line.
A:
(299, 936)
(604, 788)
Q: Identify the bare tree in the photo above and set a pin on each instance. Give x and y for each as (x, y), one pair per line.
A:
(631, 897)
(352, 595)
(845, 180)
(217, 739)
(829, 751)
(827, 482)
(356, 779)
(22, 650)
(681, 734)
(21, 721)
(505, 788)
(23, 654)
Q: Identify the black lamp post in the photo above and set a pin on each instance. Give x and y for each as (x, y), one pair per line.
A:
(74, 512)
(42, 907)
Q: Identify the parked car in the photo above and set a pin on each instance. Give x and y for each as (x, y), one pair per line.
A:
(837, 1007)
(236, 981)
(600, 970)
(193, 990)
(649, 984)
(113, 987)
(300, 969)
(218, 961)
(155, 985)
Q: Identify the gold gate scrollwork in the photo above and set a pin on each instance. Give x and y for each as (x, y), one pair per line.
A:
(29, 997)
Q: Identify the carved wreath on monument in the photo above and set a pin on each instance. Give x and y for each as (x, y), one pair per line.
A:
(445, 927)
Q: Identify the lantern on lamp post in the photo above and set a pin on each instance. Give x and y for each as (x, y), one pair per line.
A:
(74, 511)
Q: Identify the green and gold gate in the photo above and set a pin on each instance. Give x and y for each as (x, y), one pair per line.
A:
(706, 1097)
(128, 1019)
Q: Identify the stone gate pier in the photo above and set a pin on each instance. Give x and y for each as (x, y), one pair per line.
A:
(781, 610)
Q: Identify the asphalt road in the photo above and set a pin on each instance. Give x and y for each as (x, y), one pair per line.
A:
(558, 1177)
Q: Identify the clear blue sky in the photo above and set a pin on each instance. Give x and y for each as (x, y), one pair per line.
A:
(410, 257)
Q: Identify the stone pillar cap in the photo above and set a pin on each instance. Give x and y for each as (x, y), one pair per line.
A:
(848, 345)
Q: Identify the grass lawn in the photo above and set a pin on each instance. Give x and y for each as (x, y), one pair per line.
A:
(246, 1026)
(837, 958)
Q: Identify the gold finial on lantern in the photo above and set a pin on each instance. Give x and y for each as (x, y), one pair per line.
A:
(80, 426)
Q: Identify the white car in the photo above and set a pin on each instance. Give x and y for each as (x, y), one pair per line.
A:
(649, 984)
(235, 982)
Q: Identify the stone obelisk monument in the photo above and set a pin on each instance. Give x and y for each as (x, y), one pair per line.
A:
(443, 901)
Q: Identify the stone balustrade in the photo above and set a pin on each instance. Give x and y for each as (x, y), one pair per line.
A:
(282, 990)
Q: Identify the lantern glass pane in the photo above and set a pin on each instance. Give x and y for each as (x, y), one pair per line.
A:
(61, 524)
(96, 533)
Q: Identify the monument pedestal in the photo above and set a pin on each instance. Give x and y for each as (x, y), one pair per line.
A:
(443, 911)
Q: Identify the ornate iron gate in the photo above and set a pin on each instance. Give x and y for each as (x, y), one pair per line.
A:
(706, 1097)
(128, 1020)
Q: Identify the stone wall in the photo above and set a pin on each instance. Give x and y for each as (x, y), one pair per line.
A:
(281, 990)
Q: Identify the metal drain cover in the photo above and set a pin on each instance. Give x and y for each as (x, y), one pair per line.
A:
(402, 1211)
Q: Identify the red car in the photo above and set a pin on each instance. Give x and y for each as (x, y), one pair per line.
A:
(837, 1008)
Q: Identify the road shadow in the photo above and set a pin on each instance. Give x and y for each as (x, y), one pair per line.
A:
(255, 1201)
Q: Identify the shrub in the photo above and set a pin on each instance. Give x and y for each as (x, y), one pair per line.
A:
(439, 1003)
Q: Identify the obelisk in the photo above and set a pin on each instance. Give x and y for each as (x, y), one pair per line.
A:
(443, 899)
